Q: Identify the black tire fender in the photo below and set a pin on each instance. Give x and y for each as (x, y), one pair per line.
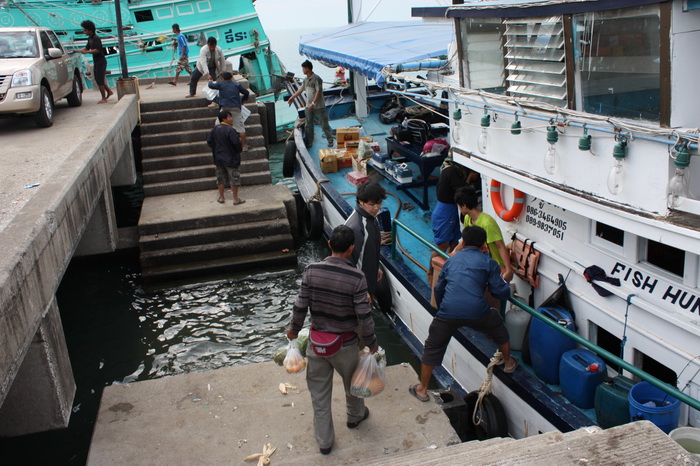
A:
(290, 159)
(313, 220)
(383, 295)
(494, 421)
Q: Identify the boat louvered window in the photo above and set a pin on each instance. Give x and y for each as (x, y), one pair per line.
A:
(535, 59)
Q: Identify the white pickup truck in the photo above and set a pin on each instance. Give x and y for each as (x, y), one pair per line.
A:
(36, 72)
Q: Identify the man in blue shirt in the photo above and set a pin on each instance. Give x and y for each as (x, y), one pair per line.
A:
(461, 302)
(230, 100)
(183, 52)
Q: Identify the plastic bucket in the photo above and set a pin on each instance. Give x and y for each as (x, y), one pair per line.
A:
(688, 438)
(664, 416)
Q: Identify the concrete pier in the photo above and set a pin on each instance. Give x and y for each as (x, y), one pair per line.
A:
(71, 165)
(222, 416)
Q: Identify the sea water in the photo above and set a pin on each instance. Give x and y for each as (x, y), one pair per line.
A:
(118, 331)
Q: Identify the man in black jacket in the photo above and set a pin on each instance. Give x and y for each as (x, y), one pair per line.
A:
(226, 148)
(363, 222)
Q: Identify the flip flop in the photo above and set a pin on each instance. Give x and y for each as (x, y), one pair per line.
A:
(330, 144)
(412, 391)
(239, 202)
(220, 201)
(172, 83)
(512, 369)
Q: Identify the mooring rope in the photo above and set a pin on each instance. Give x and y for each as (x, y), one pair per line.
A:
(318, 195)
(485, 388)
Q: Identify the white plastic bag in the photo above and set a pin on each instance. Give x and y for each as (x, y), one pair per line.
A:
(294, 362)
(210, 93)
(245, 113)
(369, 378)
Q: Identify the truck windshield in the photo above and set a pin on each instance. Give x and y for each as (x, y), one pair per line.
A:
(18, 45)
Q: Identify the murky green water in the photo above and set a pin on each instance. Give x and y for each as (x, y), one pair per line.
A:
(117, 331)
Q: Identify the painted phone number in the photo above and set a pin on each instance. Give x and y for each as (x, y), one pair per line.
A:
(546, 227)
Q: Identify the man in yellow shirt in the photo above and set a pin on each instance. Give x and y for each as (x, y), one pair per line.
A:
(468, 201)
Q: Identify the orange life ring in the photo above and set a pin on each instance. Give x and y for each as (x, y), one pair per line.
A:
(501, 211)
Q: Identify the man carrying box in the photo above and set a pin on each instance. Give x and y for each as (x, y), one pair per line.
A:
(315, 106)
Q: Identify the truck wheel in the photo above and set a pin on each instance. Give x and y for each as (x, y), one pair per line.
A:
(44, 117)
(75, 98)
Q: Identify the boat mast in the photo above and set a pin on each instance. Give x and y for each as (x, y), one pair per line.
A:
(359, 81)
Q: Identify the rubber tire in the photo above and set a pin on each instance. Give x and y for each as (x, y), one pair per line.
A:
(383, 295)
(44, 117)
(313, 220)
(290, 159)
(75, 98)
(495, 421)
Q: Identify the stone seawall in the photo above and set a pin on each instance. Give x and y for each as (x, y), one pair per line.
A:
(37, 246)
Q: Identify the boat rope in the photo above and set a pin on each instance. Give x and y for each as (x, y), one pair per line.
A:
(485, 388)
(318, 195)
(624, 331)
(24, 13)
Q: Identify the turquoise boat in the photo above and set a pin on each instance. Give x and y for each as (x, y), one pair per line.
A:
(148, 39)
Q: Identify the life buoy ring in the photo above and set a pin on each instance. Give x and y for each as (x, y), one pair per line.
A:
(313, 220)
(501, 211)
(290, 159)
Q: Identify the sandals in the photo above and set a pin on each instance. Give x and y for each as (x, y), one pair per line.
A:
(412, 391)
(512, 369)
(220, 200)
(172, 83)
(239, 202)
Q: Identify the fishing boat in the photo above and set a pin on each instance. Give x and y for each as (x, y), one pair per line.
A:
(149, 43)
(578, 116)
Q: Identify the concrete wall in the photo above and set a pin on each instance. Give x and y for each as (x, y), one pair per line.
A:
(36, 249)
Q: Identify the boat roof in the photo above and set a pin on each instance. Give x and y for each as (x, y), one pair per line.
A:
(368, 47)
(524, 8)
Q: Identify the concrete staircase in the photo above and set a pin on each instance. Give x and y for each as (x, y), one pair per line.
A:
(183, 230)
(635, 443)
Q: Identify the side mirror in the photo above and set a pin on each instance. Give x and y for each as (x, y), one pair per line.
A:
(55, 53)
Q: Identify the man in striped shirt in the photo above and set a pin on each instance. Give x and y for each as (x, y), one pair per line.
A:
(336, 294)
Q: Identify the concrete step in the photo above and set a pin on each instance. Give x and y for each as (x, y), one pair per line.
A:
(172, 117)
(216, 251)
(220, 266)
(179, 239)
(203, 184)
(193, 160)
(192, 136)
(219, 216)
(444, 455)
(202, 171)
(194, 102)
(185, 78)
(200, 147)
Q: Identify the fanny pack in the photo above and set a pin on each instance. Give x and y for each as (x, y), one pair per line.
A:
(326, 344)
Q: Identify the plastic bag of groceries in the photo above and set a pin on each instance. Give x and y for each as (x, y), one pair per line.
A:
(294, 362)
(302, 340)
(369, 378)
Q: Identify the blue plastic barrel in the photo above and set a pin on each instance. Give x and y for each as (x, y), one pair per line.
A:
(547, 345)
(665, 412)
(580, 373)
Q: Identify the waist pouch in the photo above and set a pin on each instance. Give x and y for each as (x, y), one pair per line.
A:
(326, 344)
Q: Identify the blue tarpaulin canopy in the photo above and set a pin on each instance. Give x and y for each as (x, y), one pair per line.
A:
(367, 47)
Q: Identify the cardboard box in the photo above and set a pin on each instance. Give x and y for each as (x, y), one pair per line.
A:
(345, 161)
(328, 160)
(347, 134)
(356, 178)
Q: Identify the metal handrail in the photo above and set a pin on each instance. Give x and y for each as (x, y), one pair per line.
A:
(608, 356)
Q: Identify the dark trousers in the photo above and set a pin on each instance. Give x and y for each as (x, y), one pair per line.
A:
(196, 76)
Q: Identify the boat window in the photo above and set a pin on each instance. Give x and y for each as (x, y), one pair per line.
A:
(618, 61)
(653, 367)
(483, 54)
(611, 234)
(666, 257)
(536, 59)
(608, 342)
(143, 16)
